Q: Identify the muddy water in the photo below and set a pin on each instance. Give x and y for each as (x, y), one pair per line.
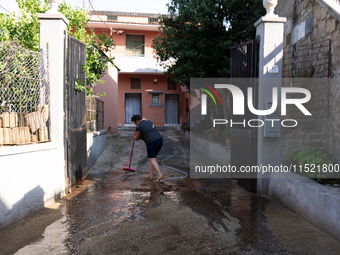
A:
(117, 212)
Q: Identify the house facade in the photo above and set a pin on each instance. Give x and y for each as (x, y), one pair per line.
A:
(137, 84)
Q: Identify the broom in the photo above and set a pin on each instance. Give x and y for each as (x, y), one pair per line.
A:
(129, 169)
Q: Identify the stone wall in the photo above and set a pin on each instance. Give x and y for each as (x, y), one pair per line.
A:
(312, 50)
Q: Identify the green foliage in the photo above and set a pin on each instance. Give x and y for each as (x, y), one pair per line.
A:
(98, 47)
(226, 132)
(97, 57)
(198, 35)
(186, 128)
(24, 28)
(308, 157)
(79, 85)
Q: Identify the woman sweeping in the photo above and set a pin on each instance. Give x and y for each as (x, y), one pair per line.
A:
(148, 132)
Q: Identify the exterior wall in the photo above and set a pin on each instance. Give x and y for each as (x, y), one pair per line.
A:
(114, 101)
(145, 68)
(120, 40)
(96, 143)
(110, 87)
(154, 113)
(32, 176)
(314, 202)
(312, 50)
(214, 151)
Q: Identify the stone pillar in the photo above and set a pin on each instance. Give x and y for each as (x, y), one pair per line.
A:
(269, 29)
(53, 41)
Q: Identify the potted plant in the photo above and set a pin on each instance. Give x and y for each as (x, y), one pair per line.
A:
(186, 130)
(226, 133)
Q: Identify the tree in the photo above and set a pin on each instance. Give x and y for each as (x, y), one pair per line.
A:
(97, 46)
(24, 27)
(196, 36)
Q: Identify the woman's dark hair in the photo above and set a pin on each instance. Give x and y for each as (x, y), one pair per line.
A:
(136, 117)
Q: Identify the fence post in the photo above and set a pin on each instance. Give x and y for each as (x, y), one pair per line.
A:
(269, 29)
(53, 42)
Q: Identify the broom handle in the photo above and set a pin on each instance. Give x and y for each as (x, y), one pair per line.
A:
(133, 143)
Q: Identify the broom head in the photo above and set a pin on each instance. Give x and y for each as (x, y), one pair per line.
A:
(129, 169)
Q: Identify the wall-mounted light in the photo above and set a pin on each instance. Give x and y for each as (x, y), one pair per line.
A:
(119, 32)
(155, 81)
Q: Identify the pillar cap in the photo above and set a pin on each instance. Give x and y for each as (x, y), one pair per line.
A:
(42, 16)
(270, 19)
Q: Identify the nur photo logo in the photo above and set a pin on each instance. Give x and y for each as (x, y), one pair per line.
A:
(238, 104)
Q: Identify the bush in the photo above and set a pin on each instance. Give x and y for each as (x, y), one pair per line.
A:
(310, 156)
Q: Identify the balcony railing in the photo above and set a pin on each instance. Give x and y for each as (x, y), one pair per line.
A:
(127, 17)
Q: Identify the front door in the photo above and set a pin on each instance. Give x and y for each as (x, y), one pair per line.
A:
(171, 109)
(132, 106)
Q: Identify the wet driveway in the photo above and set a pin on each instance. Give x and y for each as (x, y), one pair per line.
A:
(118, 212)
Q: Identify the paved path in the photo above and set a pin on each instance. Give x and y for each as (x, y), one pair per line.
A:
(117, 212)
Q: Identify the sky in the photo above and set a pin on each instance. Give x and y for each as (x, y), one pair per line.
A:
(148, 6)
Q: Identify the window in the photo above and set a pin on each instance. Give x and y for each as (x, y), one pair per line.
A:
(135, 45)
(172, 85)
(136, 83)
(155, 99)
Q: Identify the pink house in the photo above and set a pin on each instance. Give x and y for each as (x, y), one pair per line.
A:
(137, 84)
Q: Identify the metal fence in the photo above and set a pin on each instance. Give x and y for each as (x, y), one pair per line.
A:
(100, 114)
(94, 114)
(24, 95)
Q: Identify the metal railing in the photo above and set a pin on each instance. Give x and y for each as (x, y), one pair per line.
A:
(100, 114)
(120, 17)
(94, 114)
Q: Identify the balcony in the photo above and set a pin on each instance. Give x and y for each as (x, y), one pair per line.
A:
(125, 17)
(135, 64)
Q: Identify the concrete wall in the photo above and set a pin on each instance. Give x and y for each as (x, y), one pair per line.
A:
(110, 87)
(32, 177)
(216, 152)
(154, 113)
(96, 143)
(313, 201)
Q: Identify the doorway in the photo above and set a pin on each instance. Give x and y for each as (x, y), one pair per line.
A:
(132, 106)
(171, 109)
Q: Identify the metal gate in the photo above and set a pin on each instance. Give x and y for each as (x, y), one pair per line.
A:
(244, 64)
(76, 113)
